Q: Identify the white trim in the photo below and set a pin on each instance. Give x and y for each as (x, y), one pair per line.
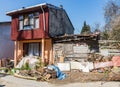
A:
(39, 5)
(26, 8)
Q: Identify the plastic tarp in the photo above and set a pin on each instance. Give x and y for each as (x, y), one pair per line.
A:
(60, 75)
(32, 61)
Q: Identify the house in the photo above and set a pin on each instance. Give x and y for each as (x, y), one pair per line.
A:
(6, 45)
(34, 27)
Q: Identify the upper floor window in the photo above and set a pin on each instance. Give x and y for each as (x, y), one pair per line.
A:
(29, 21)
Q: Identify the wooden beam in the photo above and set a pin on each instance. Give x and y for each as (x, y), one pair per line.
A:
(15, 52)
(43, 48)
(51, 60)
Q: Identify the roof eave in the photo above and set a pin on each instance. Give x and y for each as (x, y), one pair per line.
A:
(44, 5)
(10, 13)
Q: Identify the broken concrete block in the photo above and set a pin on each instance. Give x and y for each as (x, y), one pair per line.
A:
(64, 66)
(76, 65)
(103, 64)
(116, 60)
(84, 66)
(87, 66)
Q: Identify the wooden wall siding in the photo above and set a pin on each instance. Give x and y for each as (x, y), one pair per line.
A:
(14, 28)
(29, 34)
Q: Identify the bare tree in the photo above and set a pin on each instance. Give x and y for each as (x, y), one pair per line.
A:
(111, 10)
(115, 32)
(112, 17)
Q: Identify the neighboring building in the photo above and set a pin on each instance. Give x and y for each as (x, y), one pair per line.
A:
(74, 47)
(33, 28)
(6, 45)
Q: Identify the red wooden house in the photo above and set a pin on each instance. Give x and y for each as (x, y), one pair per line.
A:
(33, 28)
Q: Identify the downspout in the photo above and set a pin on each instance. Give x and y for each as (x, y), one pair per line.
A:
(43, 19)
(43, 39)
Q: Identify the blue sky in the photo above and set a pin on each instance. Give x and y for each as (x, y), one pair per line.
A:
(78, 11)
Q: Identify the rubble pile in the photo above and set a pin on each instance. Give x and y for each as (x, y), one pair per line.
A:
(45, 75)
(93, 57)
(96, 69)
(101, 63)
(34, 69)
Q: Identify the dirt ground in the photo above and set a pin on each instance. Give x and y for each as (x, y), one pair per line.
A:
(75, 76)
(74, 79)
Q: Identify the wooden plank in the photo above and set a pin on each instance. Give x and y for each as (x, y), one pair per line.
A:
(25, 77)
(15, 53)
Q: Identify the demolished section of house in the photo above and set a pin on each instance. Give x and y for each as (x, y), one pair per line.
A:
(45, 47)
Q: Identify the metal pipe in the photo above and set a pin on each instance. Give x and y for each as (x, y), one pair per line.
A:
(43, 40)
(43, 17)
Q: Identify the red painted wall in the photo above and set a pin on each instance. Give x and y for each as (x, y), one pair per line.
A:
(30, 34)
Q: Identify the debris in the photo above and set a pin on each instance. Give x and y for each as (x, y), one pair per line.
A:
(3, 61)
(60, 75)
(47, 76)
(116, 70)
(85, 66)
(114, 76)
(61, 59)
(103, 64)
(116, 60)
(31, 60)
(76, 65)
(64, 66)
(9, 64)
(92, 57)
(33, 75)
(51, 72)
(101, 69)
(25, 77)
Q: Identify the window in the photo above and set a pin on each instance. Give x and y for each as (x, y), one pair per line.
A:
(36, 20)
(20, 22)
(32, 49)
(29, 21)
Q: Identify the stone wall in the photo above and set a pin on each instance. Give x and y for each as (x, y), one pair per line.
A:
(109, 47)
(74, 50)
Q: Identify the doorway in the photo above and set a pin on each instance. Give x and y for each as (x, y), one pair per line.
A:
(32, 49)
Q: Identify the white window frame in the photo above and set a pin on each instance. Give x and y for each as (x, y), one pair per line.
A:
(29, 21)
